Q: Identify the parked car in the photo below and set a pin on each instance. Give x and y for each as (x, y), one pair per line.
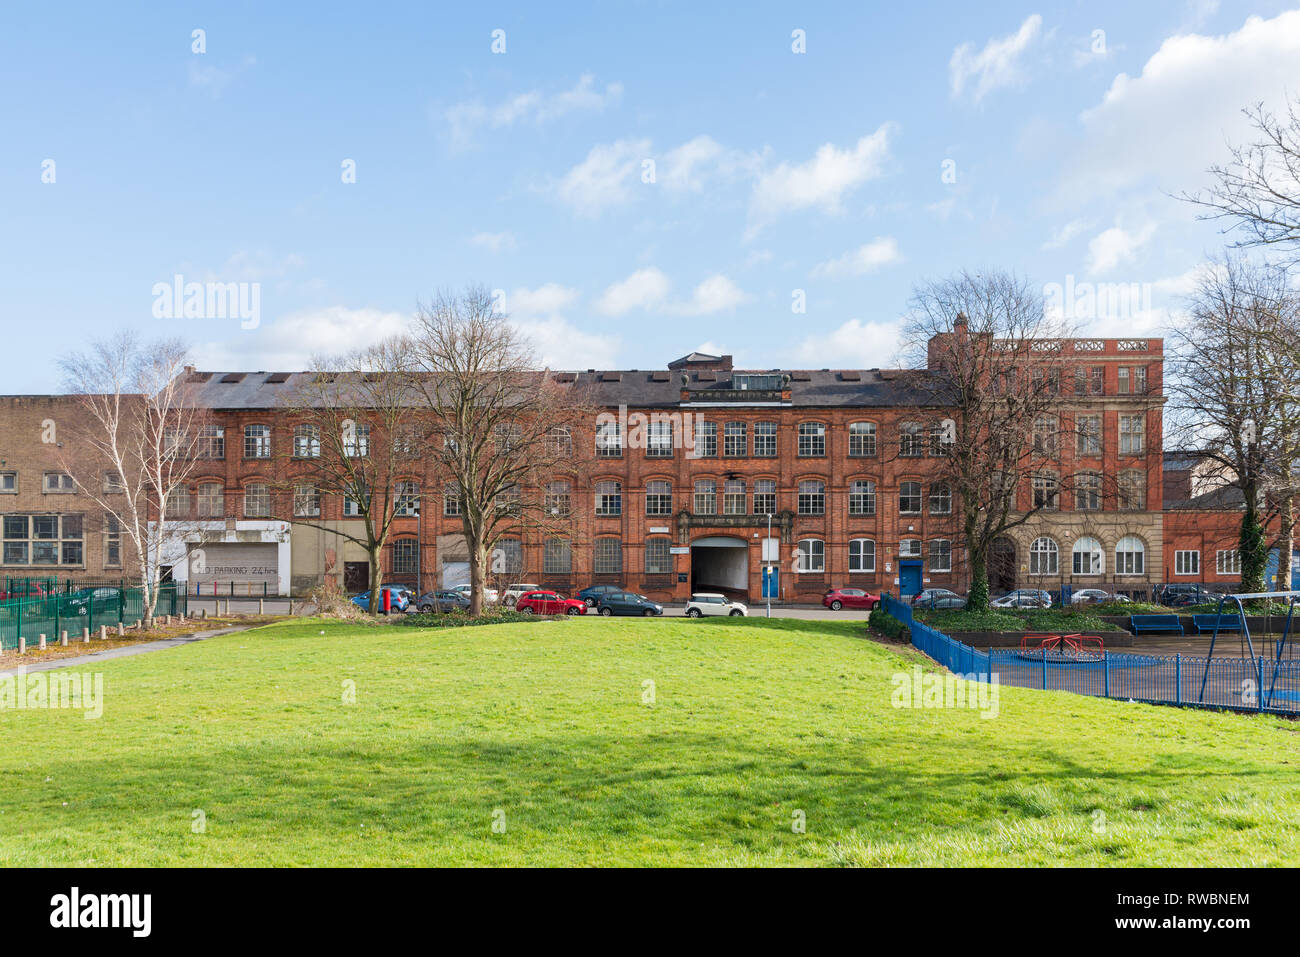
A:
(1094, 596)
(627, 603)
(710, 603)
(837, 598)
(24, 590)
(442, 601)
(89, 600)
(399, 600)
(513, 592)
(1181, 594)
(549, 603)
(489, 594)
(931, 597)
(593, 593)
(1023, 598)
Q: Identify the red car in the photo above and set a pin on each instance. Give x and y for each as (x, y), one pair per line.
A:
(549, 603)
(837, 598)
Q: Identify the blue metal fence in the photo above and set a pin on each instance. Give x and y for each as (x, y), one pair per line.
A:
(1265, 684)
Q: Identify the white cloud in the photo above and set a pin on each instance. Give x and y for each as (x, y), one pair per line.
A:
(715, 294)
(1066, 233)
(544, 300)
(1164, 127)
(882, 251)
(604, 179)
(855, 344)
(641, 290)
(997, 65)
(465, 119)
(494, 242)
(289, 342)
(823, 180)
(682, 168)
(1116, 246)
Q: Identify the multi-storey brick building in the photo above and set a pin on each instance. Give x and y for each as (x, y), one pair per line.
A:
(48, 526)
(837, 463)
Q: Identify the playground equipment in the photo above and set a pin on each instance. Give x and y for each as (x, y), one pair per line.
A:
(1284, 658)
(1061, 649)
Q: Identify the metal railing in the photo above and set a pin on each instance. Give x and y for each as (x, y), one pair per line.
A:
(87, 606)
(1268, 684)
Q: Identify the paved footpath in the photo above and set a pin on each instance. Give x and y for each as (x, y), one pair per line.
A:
(124, 651)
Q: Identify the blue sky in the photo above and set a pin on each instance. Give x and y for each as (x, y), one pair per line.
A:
(775, 172)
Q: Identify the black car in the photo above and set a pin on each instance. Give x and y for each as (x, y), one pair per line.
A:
(628, 603)
(442, 601)
(94, 600)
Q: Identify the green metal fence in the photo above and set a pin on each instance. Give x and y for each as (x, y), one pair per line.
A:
(84, 606)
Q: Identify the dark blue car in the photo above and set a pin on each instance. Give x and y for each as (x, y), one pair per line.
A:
(627, 603)
(592, 594)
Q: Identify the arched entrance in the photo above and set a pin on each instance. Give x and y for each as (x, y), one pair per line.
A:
(1002, 566)
(720, 563)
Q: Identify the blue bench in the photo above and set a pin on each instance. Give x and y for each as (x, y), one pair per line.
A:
(1141, 623)
(1206, 623)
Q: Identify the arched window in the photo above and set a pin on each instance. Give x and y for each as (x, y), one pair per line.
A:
(257, 500)
(609, 498)
(810, 555)
(733, 497)
(862, 555)
(1130, 556)
(557, 557)
(706, 497)
(659, 497)
(862, 439)
(862, 498)
(508, 557)
(1088, 557)
(560, 440)
(812, 497)
(909, 498)
(306, 441)
(1044, 557)
(940, 499)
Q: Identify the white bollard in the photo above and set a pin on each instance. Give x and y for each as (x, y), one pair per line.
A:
(42, 642)
(63, 639)
(103, 632)
(261, 606)
(22, 646)
(85, 633)
(121, 629)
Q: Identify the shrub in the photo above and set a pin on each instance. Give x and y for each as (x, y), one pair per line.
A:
(459, 619)
(889, 626)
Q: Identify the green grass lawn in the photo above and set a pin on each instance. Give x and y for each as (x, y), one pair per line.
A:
(544, 725)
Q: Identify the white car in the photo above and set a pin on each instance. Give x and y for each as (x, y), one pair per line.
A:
(514, 591)
(708, 603)
(489, 594)
(1093, 596)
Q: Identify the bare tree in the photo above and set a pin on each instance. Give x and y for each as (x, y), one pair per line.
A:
(995, 399)
(1232, 393)
(357, 433)
(1258, 190)
(134, 446)
(502, 429)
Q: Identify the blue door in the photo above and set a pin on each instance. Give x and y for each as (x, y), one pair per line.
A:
(771, 581)
(909, 578)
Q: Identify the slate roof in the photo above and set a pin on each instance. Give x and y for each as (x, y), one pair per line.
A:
(635, 388)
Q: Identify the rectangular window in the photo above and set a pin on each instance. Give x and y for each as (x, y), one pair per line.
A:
(1123, 380)
(941, 555)
(451, 500)
(658, 558)
(706, 440)
(706, 498)
(1087, 435)
(812, 439)
(113, 483)
(609, 499)
(609, 440)
(557, 557)
(212, 442)
(212, 500)
(862, 555)
(112, 541)
(1045, 491)
(733, 497)
(9, 482)
(405, 556)
(659, 440)
(909, 548)
(356, 441)
(1187, 563)
(607, 557)
(659, 498)
(1097, 380)
(1139, 380)
(257, 501)
(735, 439)
(407, 499)
(765, 439)
(43, 540)
(257, 441)
(178, 502)
(909, 498)
(306, 501)
(1132, 434)
(765, 497)
(911, 441)
(306, 442)
(1087, 492)
(59, 483)
(862, 439)
(1227, 562)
